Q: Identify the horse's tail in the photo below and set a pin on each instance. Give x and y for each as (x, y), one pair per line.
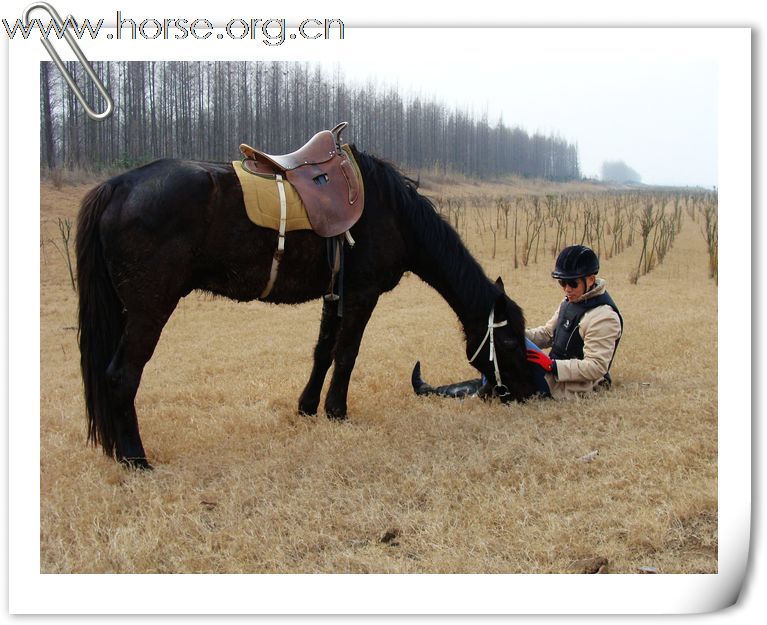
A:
(100, 318)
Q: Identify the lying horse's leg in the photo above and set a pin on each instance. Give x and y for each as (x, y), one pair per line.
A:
(124, 375)
(358, 306)
(323, 358)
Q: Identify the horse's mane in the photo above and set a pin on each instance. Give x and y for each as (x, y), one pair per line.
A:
(435, 237)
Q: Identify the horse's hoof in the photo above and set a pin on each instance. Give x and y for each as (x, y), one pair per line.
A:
(335, 414)
(307, 409)
(308, 406)
(139, 464)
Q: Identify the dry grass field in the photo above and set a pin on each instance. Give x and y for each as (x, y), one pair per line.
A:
(242, 484)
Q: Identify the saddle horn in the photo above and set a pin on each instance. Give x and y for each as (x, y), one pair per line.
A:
(337, 130)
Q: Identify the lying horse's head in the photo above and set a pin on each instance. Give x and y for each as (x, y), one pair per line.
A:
(497, 349)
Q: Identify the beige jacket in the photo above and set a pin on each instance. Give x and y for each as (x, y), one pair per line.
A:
(599, 328)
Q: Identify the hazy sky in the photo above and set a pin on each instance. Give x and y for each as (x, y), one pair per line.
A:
(645, 100)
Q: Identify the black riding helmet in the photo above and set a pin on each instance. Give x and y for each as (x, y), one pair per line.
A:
(576, 261)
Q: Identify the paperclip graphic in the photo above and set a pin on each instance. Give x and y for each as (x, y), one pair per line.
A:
(80, 56)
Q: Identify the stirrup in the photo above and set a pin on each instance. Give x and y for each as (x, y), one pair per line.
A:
(335, 250)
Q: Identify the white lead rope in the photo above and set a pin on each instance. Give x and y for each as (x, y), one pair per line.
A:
(491, 325)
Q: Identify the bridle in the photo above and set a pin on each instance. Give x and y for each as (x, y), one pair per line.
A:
(500, 389)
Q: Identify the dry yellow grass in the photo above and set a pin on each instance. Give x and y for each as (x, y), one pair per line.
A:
(243, 484)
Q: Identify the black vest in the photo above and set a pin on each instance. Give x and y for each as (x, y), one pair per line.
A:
(567, 342)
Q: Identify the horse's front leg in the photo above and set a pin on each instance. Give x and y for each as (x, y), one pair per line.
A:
(323, 358)
(358, 306)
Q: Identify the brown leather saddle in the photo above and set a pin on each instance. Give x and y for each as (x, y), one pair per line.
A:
(323, 174)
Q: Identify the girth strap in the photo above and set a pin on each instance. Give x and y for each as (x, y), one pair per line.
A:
(335, 247)
(281, 241)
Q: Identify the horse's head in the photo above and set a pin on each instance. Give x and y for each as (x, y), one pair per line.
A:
(497, 349)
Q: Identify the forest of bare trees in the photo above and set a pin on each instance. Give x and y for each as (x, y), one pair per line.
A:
(618, 171)
(204, 110)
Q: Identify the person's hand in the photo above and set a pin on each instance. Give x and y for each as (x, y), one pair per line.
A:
(540, 359)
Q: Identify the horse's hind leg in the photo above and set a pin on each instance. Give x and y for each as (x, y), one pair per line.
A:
(323, 358)
(124, 374)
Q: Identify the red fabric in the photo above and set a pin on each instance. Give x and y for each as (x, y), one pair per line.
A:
(540, 359)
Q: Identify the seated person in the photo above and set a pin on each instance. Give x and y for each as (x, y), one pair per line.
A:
(583, 335)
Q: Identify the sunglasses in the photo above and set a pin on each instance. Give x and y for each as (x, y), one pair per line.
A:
(573, 284)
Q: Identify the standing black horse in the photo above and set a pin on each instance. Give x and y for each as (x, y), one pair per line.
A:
(150, 236)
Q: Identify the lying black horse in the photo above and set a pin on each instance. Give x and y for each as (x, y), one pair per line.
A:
(150, 236)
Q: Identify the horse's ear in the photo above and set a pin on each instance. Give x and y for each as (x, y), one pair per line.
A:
(500, 304)
(499, 284)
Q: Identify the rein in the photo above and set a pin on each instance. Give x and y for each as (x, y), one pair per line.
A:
(500, 389)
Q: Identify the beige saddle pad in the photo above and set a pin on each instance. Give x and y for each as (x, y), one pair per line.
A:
(262, 201)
